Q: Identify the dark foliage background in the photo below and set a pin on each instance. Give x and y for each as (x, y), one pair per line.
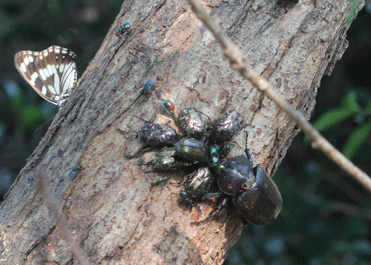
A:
(326, 215)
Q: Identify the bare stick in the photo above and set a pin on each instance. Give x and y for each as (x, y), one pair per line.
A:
(54, 207)
(238, 62)
(345, 208)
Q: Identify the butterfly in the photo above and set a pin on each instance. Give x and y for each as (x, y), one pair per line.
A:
(51, 73)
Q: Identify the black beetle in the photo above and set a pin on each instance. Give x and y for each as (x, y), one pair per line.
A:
(155, 135)
(152, 134)
(197, 184)
(189, 119)
(226, 126)
(193, 149)
(234, 174)
(122, 29)
(261, 202)
(165, 160)
(253, 193)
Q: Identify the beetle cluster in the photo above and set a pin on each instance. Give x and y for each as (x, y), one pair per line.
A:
(204, 146)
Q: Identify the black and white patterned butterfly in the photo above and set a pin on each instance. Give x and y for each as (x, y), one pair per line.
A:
(51, 73)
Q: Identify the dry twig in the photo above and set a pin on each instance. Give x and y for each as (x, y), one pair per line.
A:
(54, 207)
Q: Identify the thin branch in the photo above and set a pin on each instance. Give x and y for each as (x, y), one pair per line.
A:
(238, 62)
(345, 208)
(54, 207)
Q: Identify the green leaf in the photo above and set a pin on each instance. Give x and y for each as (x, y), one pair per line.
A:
(353, 11)
(350, 102)
(368, 107)
(356, 140)
(30, 115)
(17, 102)
(332, 117)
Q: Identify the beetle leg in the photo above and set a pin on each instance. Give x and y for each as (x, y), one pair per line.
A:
(226, 106)
(247, 151)
(141, 150)
(145, 121)
(216, 195)
(218, 211)
(185, 178)
(142, 163)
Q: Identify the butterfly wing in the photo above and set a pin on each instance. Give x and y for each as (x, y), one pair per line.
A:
(25, 63)
(51, 73)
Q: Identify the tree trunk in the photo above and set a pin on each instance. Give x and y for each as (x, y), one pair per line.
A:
(111, 207)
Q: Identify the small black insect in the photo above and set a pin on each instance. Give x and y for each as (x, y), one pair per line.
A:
(189, 119)
(155, 135)
(122, 29)
(74, 171)
(149, 85)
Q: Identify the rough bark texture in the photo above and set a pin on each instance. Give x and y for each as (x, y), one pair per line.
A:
(111, 207)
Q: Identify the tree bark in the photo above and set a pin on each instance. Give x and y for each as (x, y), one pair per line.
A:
(111, 206)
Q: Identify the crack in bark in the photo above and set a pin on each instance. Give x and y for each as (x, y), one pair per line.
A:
(39, 242)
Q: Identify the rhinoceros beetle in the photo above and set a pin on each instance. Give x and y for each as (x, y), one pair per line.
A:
(261, 202)
(253, 193)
